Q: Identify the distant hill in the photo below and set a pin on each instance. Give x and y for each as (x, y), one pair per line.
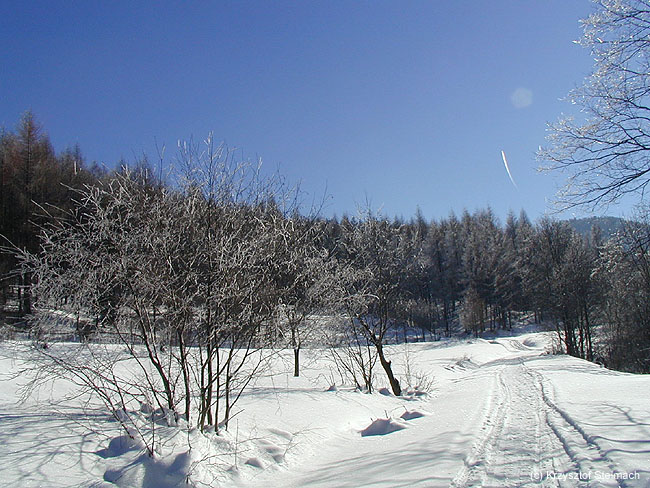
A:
(608, 225)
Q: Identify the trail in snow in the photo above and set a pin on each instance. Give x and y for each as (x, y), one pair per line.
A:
(526, 440)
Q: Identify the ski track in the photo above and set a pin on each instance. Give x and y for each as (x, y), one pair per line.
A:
(511, 345)
(527, 440)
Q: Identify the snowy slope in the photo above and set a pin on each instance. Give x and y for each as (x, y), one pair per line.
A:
(501, 413)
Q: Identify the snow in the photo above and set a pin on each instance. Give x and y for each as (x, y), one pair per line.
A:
(498, 412)
(412, 414)
(119, 446)
(382, 427)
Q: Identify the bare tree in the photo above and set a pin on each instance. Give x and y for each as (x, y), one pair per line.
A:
(302, 266)
(559, 266)
(181, 278)
(379, 259)
(605, 154)
(624, 273)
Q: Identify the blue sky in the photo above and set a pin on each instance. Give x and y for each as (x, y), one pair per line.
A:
(405, 104)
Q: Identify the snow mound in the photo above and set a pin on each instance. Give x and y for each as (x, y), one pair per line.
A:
(276, 452)
(146, 408)
(332, 388)
(149, 472)
(120, 445)
(384, 391)
(412, 414)
(255, 462)
(382, 427)
(282, 433)
(414, 394)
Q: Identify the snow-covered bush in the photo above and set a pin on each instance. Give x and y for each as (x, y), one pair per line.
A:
(182, 277)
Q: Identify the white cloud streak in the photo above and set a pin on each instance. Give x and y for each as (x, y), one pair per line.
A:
(505, 163)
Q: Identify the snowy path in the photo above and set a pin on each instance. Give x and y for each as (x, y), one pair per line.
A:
(525, 436)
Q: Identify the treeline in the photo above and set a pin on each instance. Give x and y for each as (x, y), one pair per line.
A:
(38, 186)
(471, 271)
(199, 274)
(35, 184)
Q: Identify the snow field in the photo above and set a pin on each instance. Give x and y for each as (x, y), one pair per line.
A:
(501, 413)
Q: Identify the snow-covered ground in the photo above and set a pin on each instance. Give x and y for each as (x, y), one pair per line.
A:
(500, 412)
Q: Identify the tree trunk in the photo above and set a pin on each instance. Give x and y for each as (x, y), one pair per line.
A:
(394, 383)
(590, 348)
(296, 362)
(295, 343)
(186, 374)
(20, 300)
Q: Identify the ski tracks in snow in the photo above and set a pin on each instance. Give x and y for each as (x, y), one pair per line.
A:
(527, 440)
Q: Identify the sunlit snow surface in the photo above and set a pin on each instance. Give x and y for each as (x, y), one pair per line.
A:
(501, 412)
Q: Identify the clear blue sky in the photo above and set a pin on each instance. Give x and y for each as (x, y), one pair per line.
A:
(404, 103)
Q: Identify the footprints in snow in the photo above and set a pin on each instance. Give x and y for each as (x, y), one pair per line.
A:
(272, 449)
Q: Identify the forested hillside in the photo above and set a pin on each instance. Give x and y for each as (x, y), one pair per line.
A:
(609, 226)
(66, 223)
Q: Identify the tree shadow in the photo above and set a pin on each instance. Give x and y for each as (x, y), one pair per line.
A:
(50, 448)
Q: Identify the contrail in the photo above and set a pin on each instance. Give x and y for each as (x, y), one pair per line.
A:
(505, 162)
